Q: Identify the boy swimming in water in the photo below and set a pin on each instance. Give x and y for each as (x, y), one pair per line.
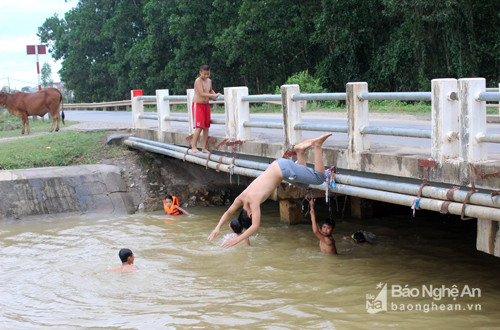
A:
(360, 237)
(324, 234)
(127, 258)
(171, 206)
(260, 189)
(237, 231)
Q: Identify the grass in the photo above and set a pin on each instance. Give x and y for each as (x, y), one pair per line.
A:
(58, 149)
(10, 126)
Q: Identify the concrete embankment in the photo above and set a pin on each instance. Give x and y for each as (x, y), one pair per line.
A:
(63, 190)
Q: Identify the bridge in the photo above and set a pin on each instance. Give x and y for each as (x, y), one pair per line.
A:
(459, 173)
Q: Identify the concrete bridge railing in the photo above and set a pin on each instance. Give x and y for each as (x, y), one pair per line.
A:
(458, 116)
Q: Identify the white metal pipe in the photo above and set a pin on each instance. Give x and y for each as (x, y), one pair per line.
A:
(153, 116)
(261, 98)
(321, 128)
(397, 131)
(195, 160)
(146, 97)
(176, 118)
(263, 124)
(412, 189)
(319, 96)
(226, 160)
(474, 211)
(396, 96)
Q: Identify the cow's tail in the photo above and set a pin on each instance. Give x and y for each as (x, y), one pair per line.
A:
(61, 101)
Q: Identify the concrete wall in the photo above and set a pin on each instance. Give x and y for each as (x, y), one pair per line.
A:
(58, 190)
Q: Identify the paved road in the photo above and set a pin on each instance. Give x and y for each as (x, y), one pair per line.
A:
(122, 119)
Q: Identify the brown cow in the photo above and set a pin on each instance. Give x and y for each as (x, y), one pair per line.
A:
(23, 105)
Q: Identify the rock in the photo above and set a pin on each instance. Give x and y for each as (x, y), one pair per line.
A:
(116, 139)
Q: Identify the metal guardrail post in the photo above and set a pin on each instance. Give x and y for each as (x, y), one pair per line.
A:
(472, 119)
(237, 113)
(357, 118)
(291, 115)
(444, 138)
(190, 96)
(163, 110)
(137, 110)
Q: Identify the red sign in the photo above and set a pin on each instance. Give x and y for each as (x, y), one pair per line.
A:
(136, 92)
(30, 50)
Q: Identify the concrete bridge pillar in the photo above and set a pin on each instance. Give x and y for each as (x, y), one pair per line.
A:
(472, 119)
(163, 110)
(291, 115)
(137, 110)
(357, 117)
(190, 96)
(445, 126)
(237, 113)
(488, 236)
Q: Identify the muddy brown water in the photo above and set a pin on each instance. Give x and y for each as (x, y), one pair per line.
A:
(54, 274)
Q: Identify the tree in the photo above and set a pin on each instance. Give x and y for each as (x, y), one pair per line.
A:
(46, 74)
(109, 47)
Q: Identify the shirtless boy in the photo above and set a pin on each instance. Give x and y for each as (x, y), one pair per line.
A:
(201, 109)
(324, 234)
(127, 258)
(260, 189)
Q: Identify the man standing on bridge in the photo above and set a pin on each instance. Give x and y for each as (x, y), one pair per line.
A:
(262, 187)
(201, 108)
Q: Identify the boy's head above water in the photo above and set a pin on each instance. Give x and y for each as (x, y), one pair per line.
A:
(125, 254)
(359, 237)
(169, 200)
(235, 226)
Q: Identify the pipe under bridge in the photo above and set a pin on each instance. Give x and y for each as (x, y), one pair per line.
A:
(457, 175)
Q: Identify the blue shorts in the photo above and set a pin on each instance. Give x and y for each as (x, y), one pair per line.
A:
(299, 175)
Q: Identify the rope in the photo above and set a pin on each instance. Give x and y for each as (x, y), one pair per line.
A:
(308, 196)
(426, 163)
(330, 182)
(477, 172)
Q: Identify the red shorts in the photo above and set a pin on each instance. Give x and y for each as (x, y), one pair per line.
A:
(201, 115)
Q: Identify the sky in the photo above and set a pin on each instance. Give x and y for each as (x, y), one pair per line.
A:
(18, 28)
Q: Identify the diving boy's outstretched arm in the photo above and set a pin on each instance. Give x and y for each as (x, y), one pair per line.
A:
(225, 217)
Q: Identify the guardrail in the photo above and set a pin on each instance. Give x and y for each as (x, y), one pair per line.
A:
(458, 115)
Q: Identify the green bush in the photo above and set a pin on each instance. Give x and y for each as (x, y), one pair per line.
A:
(309, 84)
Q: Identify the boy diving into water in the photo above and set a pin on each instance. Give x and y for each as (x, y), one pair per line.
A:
(262, 187)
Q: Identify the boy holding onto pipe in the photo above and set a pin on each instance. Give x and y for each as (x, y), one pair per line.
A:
(263, 186)
(324, 234)
(201, 108)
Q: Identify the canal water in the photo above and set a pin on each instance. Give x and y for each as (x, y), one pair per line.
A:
(419, 273)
